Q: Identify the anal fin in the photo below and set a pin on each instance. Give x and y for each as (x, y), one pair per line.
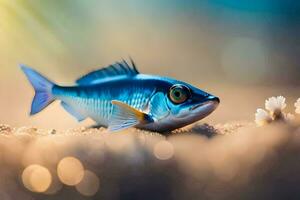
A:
(125, 116)
(73, 112)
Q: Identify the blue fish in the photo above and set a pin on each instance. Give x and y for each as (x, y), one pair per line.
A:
(119, 97)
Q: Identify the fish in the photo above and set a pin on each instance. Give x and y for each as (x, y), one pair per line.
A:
(119, 97)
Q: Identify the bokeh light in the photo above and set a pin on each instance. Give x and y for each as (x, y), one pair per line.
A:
(70, 171)
(56, 185)
(163, 150)
(89, 185)
(36, 178)
(218, 163)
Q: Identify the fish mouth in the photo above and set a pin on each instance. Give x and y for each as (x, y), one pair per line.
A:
(214, 102)
(198, 111)
(199, 105)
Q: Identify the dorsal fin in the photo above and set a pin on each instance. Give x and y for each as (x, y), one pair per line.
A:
(117, 69)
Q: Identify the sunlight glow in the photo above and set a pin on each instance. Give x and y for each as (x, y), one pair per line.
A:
(36, 178)
(70, 171)
(163, 150)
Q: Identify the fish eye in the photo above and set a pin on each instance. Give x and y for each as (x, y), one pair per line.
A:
(179, 93)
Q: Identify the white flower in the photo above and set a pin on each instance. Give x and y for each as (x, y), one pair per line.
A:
(274, 111)
(262, 117)
(297, 105)
(289, 117)
(275, 104)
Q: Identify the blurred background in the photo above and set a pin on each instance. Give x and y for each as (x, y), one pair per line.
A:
(242, 51)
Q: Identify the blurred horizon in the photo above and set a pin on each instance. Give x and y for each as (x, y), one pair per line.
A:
(211, 44)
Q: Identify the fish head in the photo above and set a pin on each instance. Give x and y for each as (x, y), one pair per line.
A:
(186, 104)
(186, 101)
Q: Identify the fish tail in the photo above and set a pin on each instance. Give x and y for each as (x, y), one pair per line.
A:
(42, 87)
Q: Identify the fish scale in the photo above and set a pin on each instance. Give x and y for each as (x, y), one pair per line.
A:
(100, 108)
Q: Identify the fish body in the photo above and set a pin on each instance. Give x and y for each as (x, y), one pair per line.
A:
(119, 97)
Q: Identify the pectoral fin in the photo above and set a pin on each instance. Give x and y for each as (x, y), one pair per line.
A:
(125, 116)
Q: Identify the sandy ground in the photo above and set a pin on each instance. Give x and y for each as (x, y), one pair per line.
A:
(226, 161)
(55, 157)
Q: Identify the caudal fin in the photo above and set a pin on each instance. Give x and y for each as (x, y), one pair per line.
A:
(43, 89)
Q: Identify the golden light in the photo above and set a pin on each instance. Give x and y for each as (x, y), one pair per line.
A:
(56, 185)
(163, 150)
(89, 185)
(70, 171)
(36, 178)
